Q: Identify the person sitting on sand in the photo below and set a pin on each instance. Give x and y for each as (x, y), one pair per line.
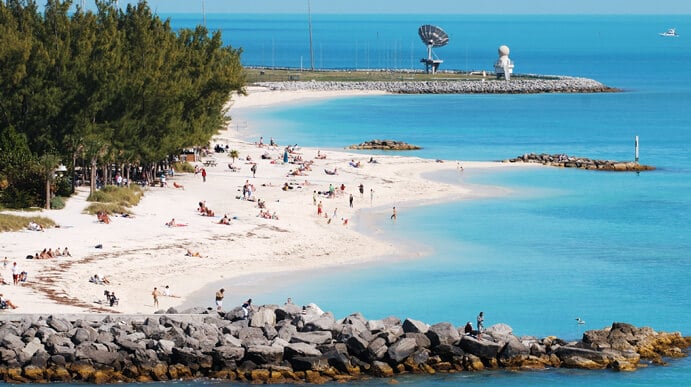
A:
(169, 293)
(176, 185)
(320, 156)
(33, 226)
(193, 254)
(66, 252)
(4, 302)
(173, 223)
(224, 220)
(103, 217)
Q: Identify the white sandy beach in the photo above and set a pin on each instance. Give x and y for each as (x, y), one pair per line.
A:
(141, 253)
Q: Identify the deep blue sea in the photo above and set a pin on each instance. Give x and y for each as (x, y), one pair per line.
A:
(566, 243)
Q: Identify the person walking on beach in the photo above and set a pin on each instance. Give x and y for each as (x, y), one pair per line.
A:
(254, 170)
(204, 175)
(480, 324)
(393, 215)
(362, 189)
(15, 273)
(320, 208)
(219, 299)
(371, 196)
(314, 198)
(350, 200)
(155, 295)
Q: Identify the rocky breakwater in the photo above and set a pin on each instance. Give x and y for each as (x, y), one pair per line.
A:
(384, 145)
(564, 161)
(289, 344)
(515, 86)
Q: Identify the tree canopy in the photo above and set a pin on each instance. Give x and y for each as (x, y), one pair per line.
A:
(110, 86)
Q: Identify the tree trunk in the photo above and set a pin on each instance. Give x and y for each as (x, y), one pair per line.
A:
(92, 185)
(47, 193)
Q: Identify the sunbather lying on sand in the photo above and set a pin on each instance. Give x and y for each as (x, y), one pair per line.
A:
(193, 254)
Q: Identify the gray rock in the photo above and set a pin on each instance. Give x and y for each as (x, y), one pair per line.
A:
(264, 354)
(402, 349)
(309, 363)
(443, 333)
(262, 317)
(483, 349)
(301, 349)
(58, 324)
(325, 322)
(166, 346)
(377, 349)
(319, 337)
(414, 326)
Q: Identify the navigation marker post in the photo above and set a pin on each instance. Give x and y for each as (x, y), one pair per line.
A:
(636, 149)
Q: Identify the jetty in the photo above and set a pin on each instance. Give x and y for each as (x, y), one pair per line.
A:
(384, 145)
(294, 344)
(565, 161)
(536, 85)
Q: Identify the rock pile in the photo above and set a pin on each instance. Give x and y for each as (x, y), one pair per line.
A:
(561, 160)
(292, 344)
(515, 86)
(384, 145)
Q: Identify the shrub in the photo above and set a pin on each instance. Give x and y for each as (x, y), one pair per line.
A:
(57, 203)
(16, 222)
(183, 167)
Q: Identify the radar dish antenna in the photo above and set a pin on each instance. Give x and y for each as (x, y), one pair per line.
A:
(432, 36)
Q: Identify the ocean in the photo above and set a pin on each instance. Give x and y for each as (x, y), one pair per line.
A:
(601, 246)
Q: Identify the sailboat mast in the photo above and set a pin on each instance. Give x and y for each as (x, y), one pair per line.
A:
(309, 13)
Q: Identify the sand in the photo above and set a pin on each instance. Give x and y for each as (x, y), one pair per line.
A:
(141, 253)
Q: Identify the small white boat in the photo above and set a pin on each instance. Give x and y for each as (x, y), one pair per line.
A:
(672, 32)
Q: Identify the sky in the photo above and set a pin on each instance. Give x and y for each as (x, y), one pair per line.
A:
(658, 7)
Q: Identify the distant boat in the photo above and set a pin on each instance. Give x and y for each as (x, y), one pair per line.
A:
(671, 33)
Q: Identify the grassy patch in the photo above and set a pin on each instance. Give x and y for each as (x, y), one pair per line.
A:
(112, 199)
(16, 222)
(183, 167)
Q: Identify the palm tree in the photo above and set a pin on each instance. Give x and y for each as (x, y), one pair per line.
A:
(46, 166)
(234, 154)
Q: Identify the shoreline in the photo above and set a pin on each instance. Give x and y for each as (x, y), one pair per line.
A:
(139, 254)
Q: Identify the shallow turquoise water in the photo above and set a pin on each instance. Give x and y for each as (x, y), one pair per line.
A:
(601, 246)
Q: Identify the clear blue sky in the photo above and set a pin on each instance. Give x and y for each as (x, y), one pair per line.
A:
(668, 7)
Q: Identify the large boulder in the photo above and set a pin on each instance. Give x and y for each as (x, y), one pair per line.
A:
(483, 349)
(319, 337)
(574, 357)
(264, 354)
(443, 333)
(402, 349)
(262, 317)
(414, 326)
(301, 349)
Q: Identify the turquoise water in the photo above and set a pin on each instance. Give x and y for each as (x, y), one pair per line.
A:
(601, 246)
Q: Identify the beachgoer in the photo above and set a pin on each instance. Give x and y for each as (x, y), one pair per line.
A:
(361, 188)
(480, 324)
(393, 215)
(7, 302)
(5, 262)
(66, 252)
(314, 201)
(193, 254)
(320, 208)
(169, 293)
(15, 273)
(371, 196)
(155, 295)
(335, 215)
(204, 175)
(246, 308)
(289, 301)
(350, 200)
(254, 170)
(468, 328)
(219, 299)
